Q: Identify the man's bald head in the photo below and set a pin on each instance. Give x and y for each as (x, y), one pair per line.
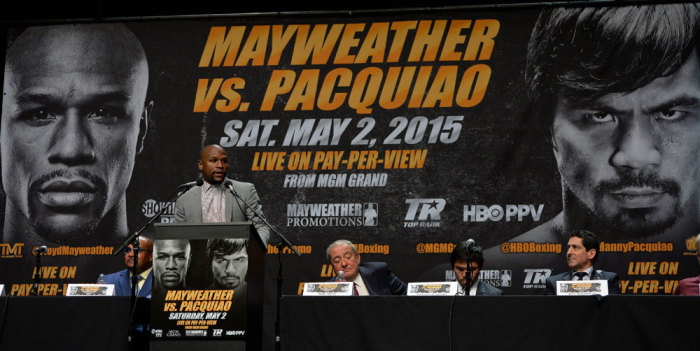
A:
(209, 149)
(213, 163)
(110, 47)
(74, 117)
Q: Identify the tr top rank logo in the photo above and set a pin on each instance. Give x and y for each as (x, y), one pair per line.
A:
(423, 213)
(536, 278)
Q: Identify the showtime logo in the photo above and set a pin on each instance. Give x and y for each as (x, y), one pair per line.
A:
(423, 213)
(151, 207)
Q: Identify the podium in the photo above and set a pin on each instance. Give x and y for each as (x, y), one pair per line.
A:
(192, 308)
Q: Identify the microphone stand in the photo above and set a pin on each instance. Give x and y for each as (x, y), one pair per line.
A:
(283, 243)
(37, 275)
(468, 286)
(468, 274)
(134, 241)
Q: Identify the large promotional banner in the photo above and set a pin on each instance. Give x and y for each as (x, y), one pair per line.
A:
(403, 132)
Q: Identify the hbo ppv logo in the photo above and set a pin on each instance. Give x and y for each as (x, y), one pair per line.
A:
(495, 213)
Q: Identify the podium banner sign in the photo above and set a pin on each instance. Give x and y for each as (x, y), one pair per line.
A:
(199, 288)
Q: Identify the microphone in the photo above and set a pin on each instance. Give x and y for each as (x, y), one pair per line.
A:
(470, 243)
(229, 186)
(197, 182)
(41, 249)
(340, 277)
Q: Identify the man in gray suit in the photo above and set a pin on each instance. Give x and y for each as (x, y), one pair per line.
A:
(467, 260)
(214, 202)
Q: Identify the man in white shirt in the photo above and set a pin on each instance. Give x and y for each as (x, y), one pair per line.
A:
(371, 278)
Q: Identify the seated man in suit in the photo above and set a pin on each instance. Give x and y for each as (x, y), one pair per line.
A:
(372, 278)
(467, 260)
(122, 279)
(582, 252)
(690, 286)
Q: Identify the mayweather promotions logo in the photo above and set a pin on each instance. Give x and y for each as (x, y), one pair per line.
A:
(333, 215)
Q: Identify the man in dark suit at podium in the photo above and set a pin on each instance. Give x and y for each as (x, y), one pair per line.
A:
(213, 201)
(371, 278)
(122, 279)
(582, 252)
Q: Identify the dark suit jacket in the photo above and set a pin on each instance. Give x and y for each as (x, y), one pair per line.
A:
(188, 208)
(122, 283)
(379, 279)
(612, 278)
(484, 288)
